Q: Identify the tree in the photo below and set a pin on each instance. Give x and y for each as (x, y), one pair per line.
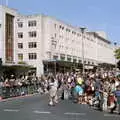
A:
(117, 53)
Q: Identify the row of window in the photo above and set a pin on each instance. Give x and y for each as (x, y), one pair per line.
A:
(30, 45)
(31, 23)
(31, 56)
(67, 30)
(62, 57)
(31, 34)
(61, 27)
(62, 37)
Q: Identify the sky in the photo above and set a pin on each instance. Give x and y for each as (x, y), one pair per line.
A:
(95, 15)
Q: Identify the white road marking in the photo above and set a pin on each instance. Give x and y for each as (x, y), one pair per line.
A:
(41, 112)
(11, 110)
(69, 113)
(111, 115)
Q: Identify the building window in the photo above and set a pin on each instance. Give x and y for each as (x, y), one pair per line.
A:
(32, 44)
(32, 23)
(69, 58)
(61, 27)
(20, 56)
(48, 55)
(62, 57)
(74, 33)
(88, 38)
(20, 45)
(55, 26)
(80, 61)
(20, 24)
(67, 30)
(55, 57)
(20, 35)
(74, 60)
(18, 19)
(32, 56)
(53, 46)
(33, 34)
(78, 34)
(55, 35)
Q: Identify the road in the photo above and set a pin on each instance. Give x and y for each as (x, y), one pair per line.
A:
(36, 108)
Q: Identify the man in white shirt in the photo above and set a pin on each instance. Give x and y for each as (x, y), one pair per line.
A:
(53, 85)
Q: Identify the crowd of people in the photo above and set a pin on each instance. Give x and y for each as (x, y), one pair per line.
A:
(17, 86)
(99, 90)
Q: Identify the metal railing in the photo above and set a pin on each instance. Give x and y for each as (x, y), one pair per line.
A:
(15, 91)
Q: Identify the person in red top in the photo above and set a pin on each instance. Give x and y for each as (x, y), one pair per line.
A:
(112, 102)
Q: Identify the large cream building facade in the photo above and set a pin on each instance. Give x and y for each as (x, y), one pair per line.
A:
(56, 40)
(39, 38)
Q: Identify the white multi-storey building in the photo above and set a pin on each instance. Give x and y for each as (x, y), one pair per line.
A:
(29, 41)
(43, 38)
(39, 39)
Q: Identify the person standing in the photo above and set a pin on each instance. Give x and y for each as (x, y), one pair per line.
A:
(105, 100)
(117, 94)
(111, 102)
(52, 91)
(79, 91)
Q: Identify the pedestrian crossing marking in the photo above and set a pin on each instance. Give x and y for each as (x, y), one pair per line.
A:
(68, 113)
(11, 110)
(41, 112)
(111, 115)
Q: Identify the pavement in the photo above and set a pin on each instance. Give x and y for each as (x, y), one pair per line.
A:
(36, 108)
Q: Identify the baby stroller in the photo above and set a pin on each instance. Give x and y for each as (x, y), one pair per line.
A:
(96, 102)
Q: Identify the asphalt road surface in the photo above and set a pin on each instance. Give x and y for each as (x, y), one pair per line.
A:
(36, 108)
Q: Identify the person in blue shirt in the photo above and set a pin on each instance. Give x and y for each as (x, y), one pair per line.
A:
(79, 91)
(117, 94)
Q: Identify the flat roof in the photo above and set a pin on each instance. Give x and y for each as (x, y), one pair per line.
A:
(6, 7)
(100, 37)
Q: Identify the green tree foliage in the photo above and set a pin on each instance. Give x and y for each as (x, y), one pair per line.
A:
(117, 53)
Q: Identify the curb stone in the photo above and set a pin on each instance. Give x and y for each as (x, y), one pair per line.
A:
(13, 98)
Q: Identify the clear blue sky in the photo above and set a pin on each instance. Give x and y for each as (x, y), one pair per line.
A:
(96, 15)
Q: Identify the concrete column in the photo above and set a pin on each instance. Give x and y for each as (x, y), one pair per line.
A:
(40, 69)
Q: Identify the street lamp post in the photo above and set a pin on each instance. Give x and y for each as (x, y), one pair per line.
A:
(115, 44)
(83, 57)
(55, 67)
